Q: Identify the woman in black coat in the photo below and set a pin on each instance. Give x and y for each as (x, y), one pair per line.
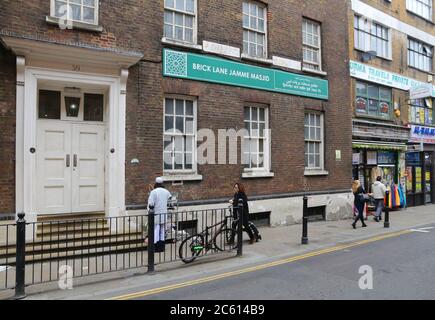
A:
(239, 190)
(358, 192)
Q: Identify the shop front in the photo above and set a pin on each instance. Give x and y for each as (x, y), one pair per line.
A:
(379, 150)
(371, 161)
(420, 166)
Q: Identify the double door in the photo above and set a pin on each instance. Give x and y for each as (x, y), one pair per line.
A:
(70, 167)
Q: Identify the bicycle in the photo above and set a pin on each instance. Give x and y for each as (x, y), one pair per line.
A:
(223, 240)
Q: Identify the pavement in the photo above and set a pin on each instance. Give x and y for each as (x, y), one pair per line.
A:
(278, 243)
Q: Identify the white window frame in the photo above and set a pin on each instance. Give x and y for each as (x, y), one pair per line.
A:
(96, 12)
(419, 55)
(306, 63)
(267, 145)
(412, 4)
(367, 32)
(265, 44)
(321, 141)
(184, 13)
(194, 169)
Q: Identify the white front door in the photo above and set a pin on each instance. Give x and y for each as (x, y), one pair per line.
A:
(53, 167)
(70, 166)
(88, 168)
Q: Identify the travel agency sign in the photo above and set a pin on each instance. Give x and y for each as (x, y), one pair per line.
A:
(390, 79)
(422, 134)
(217, 70)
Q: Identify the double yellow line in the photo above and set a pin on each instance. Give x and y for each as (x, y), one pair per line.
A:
(256, 268)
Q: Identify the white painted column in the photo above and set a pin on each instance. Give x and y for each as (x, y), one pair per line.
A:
(121, 139)
(19, 135)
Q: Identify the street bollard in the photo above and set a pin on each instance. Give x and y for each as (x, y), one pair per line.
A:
(20, 280)
(305, 221)
(151, 248)
(240, 228)
(387, 210)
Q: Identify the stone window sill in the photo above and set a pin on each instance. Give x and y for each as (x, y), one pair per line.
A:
(316, 172)
(255, 59)
(182, 177)
(181, 44)
(75, 24)
(308, 70)
(257, 174)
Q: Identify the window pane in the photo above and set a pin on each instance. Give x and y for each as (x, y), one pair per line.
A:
(169, 17)
(169, 123)
(169, 3)
(179, 124)
(76, 12)
(189, 125)
(179, 4)
(190, 6)
(93, 107)
(189, 108)
(178, 161)
(49, 104)
(88, 14)
(167, 161)
(179, 107)
(60, 9)
(89, 3)
(188, 161)
(179, 33)
(179, 144)
(168, 31)
(254, 114)
(169, 106)
(189, 22)
(246, 7)
(373, 91)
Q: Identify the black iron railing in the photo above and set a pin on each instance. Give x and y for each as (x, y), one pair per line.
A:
(45, 251)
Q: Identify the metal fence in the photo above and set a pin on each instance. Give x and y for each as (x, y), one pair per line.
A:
(39, 252)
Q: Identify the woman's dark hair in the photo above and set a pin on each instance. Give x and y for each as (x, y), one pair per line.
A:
(241, 187)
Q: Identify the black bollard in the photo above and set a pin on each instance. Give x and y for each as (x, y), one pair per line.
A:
(20, 280)
(305, 221)
(240, 228)
(387, 210)
(151, 248)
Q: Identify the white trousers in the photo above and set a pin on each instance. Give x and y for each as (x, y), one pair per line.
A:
(159, 233)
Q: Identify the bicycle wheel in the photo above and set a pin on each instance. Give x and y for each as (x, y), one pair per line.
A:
(191, 248)
(225, 240)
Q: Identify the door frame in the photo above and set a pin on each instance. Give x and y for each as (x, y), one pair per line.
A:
(27, 115)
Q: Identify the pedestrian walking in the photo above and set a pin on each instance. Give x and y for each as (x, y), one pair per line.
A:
(361, 198)
(379, 190)
(158, 198)
(239, 193)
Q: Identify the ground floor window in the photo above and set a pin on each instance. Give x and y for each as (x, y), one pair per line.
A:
(179, 134)
(256, 141)
(313, 141)
(419, 171)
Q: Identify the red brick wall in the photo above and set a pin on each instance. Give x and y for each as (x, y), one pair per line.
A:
(138, 25)
(7, 131)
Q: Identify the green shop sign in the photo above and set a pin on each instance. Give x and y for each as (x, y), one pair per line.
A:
(210, 69)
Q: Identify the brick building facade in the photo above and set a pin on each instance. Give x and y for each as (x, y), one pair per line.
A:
(391, 52)
(113, 57)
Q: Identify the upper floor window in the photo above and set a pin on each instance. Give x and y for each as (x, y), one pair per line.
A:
(423, 8)
(311, 45)
(85, 11)
(373, 100)
(420, 55)
(254, 29)
(371, 36)
(420, 111)
(180, 20)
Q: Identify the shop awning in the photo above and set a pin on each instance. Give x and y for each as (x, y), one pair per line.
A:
(379, 146)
